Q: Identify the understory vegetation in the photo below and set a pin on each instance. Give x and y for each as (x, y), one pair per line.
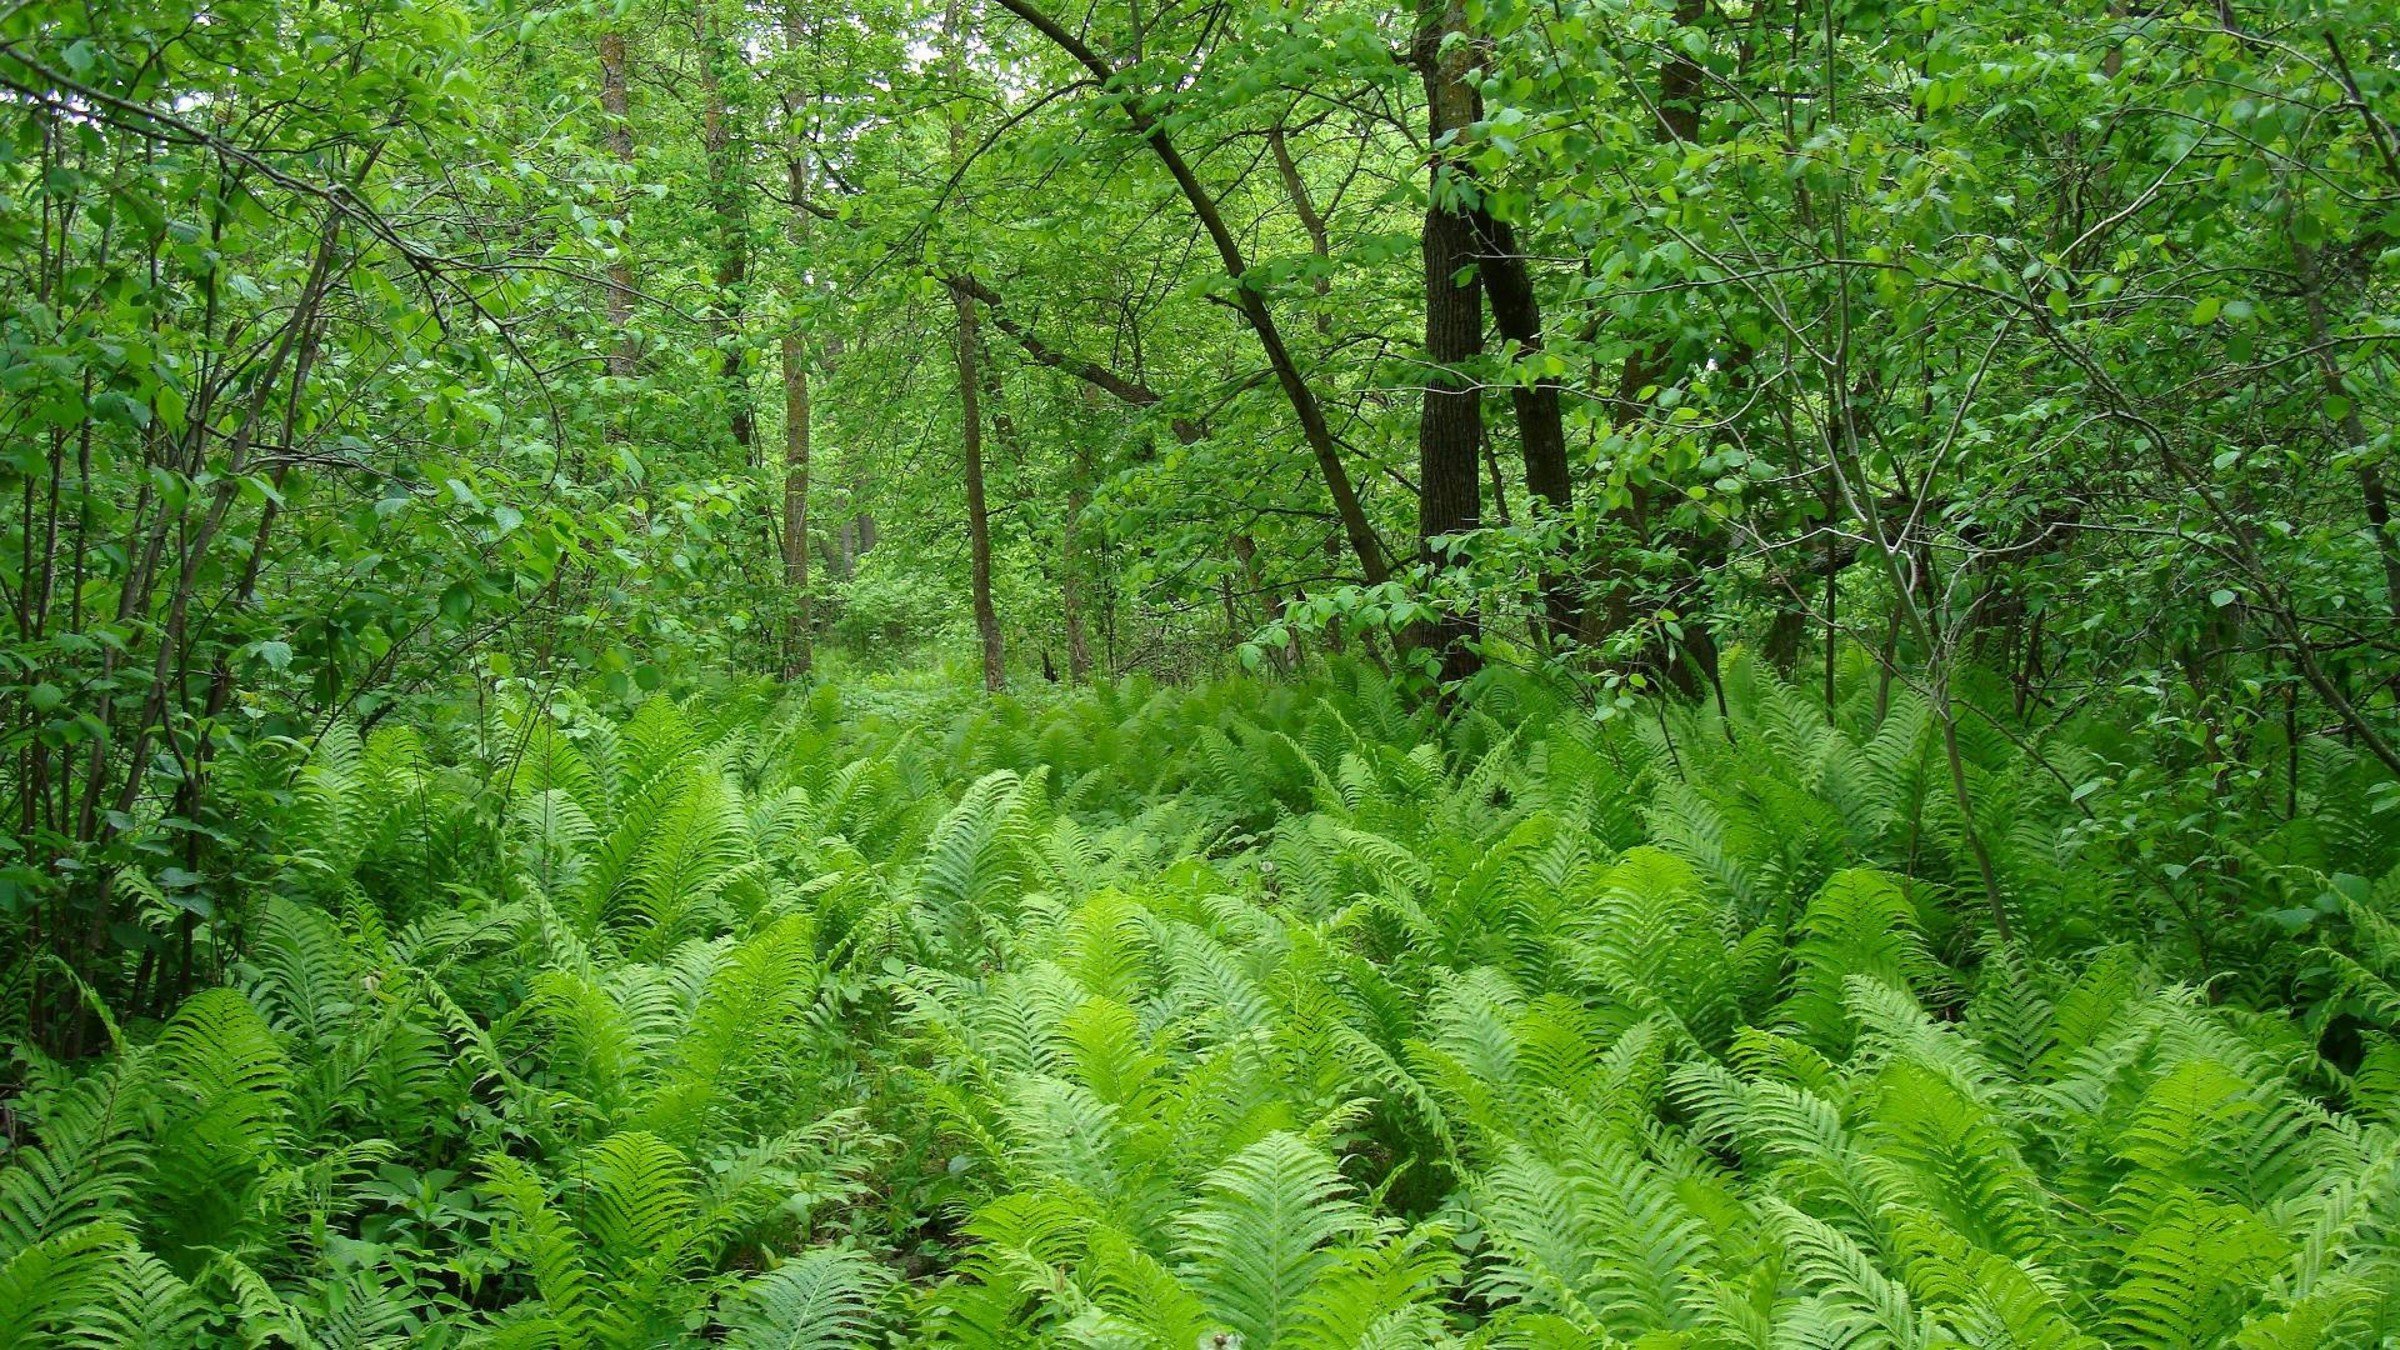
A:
(1199, 674)
(1255, 1014)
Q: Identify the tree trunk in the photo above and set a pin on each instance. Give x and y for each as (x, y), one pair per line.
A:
(979, 525)
(1245, 548)
(1541, 426)
(613, 106)
(730, 204)
(970, 412)
(1679, 105)
(1450, 429)
(2352, 427)
(1070, 582)
(796, 655)
(1305, 207)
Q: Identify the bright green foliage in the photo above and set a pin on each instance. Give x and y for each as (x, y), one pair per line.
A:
(1257, 1016)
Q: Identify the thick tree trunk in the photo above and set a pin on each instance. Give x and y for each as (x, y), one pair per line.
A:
(1450, 429)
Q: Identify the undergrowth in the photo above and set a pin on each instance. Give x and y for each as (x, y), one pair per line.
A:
(1252, 1015)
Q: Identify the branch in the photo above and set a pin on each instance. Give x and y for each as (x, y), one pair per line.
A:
(1130, 392)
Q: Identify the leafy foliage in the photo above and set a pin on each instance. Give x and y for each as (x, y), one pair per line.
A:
(875, 1021)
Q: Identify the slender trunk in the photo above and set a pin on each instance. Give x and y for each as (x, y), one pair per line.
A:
(796, 654)
(1305, 207)
(1233, 613)
(1541, 425)
(1245, 548)
(1094, 375)
(730, 204)
(1491, 465)
(1314, 429)
(170, 670)
(1070, 582)
(613, 107)
(1946, 713)
(1678, 123)
(1833, 594)
(2353, 428)
(970, 412)
(979, 526)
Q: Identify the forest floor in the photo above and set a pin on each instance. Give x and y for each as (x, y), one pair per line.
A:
(1252, 1015)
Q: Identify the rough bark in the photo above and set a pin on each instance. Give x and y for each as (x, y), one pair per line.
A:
(1450, 428)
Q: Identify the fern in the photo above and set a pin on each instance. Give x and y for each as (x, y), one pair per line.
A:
(1261, 1236)
(1159, 1017)
(826, 1299)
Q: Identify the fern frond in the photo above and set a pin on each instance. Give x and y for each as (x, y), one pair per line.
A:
(825, 1299)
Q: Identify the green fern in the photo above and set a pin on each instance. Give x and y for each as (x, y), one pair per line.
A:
(825, 1299)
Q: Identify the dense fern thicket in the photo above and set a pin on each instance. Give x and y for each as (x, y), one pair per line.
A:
(1255, 1015)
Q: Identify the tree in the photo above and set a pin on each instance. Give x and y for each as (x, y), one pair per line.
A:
(1450, 426)
(969, 343)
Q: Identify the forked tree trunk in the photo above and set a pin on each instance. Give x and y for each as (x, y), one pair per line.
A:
(1305, 207)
